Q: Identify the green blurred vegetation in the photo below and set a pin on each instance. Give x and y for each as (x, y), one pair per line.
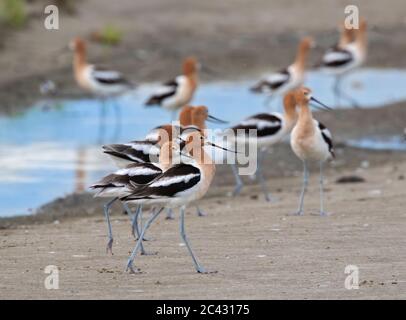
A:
(110, 35)
(13, 13)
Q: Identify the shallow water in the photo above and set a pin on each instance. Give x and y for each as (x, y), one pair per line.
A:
(47, 152)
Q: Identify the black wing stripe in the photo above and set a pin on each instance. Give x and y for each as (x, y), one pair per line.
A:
(326, 138)
(171, 189)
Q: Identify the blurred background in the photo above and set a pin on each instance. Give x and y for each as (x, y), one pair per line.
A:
(50, 131)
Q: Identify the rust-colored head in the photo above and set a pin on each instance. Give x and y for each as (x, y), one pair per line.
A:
(185, 116)
(190, 66)
(347, 35)
(289, 103)
(199, 116)
(164, 133)
(77, 45)
(363, 25)
(303, 96)
(194, 144)
(306, 43)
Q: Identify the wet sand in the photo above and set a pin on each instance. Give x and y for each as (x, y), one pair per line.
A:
(258, 250)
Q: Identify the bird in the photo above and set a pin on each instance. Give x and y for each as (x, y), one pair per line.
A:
(102, 82)
(179, 186)
(97, 80)
(122, 181)
(198, 117)
(310, 141)
(270, 128)
(148, 150)
(177, 92)
(279, 83)
(349, 54)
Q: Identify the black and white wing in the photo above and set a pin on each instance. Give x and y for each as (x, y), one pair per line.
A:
(167, 90)
(327, 137)
(175, 181)
(336, 57)
(265, 124)
(272, 82)
(105, 76)
(126, 178)
(135, 151)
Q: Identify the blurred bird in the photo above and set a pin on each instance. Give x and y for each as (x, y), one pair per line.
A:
(349, 54)
(179, 186)
(310, 141)
(97, 80)
(279, 83)
(270, 128)
(122, 182)
(102, 82)
(179, 91)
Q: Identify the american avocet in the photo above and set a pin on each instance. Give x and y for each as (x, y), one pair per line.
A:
(348, 55)
(99, 81)
(179, 186)
(95, 79)
(271, 128)
(179, 91)
(279, 83)
(310, 140)
(139, 151)
(122, 182)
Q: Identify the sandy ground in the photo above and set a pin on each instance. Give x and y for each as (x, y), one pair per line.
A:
(258, 250)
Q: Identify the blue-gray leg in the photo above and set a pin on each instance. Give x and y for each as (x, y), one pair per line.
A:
(322, 212)
(135, 228)
(238, 182)
(261, 177)
(198, 267)
(107, 206)
(340, 93)
(200, 213)
(137, 247)
(268, 100)
(169, 214)
(304, 188)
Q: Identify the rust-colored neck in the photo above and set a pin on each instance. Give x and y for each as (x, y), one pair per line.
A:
(185, 118)
(301, 56)
(79, 59)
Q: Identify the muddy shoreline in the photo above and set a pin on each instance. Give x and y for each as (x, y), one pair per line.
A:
(280, 163)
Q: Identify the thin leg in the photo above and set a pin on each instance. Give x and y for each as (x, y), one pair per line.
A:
(140, 228)
(199, 268)
(261, 177)
(169, 214)
(238, 182)
(117, 111)
(107, 206)
(341, 93)
(268, 100)
(322, 212)
(135, 230)
(305, 183)
(337, 91)
(102, 124)
(200, 213)
(138, 245)
(174, 114)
